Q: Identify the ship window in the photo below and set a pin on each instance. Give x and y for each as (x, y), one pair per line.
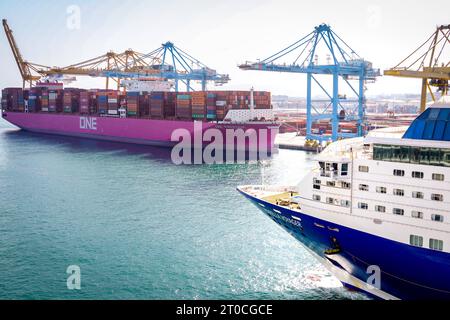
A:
(335, 167)
(439, 130)
(435, 156)
(437, 197)
(386, 153)
(447, 132)
(399, 173)
(330, 200)
(345, 203)
(416, 241)
(380, 209)
(438, 177)
(363, 187)
(331, 183)
(344, 170)
(434, 113)
(418, 128)
(399, 192)
(436, 244)
(404, 154)
(381, 190)
(417, 175)
(316, 197)
(429, 130)
(444, 114)
(415, 155)
(363, 206)
(424, 156)
(417, 214)
(445, 160)
(396, 153)
(418, 195)
(437, 218)
(377, 152)
(363, 169)
(316, 186)
(345, 185)
(399, 212)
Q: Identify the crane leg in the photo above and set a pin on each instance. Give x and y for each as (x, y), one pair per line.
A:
(423, 98)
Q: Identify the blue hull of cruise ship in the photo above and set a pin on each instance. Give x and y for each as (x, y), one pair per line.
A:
(407, 272)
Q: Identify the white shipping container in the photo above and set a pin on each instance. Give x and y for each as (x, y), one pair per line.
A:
(112, 100)
(44, 109)
(221, 103)
(113, 112)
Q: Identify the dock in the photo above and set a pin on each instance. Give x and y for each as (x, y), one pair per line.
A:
(292, 141)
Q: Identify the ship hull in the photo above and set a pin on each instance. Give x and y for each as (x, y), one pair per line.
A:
(406, 272)
(166, 133)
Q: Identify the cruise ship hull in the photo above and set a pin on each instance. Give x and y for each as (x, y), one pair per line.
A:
(406, 272)
(145, 131)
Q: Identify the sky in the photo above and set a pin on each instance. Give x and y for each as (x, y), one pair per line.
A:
(221, 34)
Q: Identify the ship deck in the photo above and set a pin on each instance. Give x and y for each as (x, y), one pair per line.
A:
(280, 196)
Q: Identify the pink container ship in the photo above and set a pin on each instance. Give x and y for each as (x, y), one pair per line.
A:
(240, 123)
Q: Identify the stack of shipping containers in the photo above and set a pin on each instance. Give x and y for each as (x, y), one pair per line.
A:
(5, 100)
(157, 105)
(170, 99)
(13, 99)
(183, 107)
(198, 105)
(211, 108)
(113, 103)
(144, 105)
(262, 100)
(102, 102)
(71, 100)
(84, 102)
(221, 105)
(132, 103)
(93, 102)
(44, 100)
(34, 100)
(203, 105)
(55, 100)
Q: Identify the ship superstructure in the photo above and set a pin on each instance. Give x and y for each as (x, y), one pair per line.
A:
(376, 210)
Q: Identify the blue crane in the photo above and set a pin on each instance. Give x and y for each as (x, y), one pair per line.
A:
(170, 63)
(342, 64)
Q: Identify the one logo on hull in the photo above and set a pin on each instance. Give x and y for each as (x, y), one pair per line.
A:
(87, 123)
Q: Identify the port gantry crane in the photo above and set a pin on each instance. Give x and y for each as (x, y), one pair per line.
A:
(126, 65)
(429, 62)
(171, 63)
(342, 64)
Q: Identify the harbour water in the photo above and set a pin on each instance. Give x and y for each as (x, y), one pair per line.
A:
(140, 227)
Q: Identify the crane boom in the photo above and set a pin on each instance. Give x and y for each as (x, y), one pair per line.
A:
(429, 62)
(24, 67)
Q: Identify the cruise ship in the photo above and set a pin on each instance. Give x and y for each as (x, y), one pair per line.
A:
(375, 211)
